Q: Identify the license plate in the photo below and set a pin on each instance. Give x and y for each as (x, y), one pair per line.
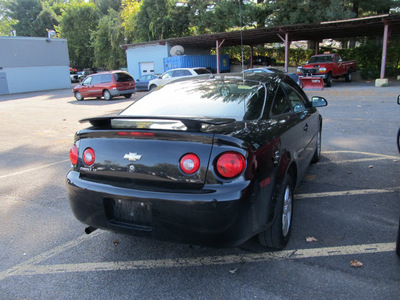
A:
(130, 212)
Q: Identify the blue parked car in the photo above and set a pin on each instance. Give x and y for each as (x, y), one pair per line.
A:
(142, 83)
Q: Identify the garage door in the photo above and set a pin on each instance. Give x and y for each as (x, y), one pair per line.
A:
(146, 68)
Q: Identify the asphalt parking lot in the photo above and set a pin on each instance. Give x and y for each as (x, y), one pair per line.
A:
(346, 215)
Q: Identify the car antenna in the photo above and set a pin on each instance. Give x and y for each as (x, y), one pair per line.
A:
(241, 34)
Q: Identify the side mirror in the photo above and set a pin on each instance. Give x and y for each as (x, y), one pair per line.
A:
(137, 80)
(398, 99)
(318, 101)
(160, 77)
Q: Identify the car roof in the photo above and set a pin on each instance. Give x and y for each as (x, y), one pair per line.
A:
(110, 72)
(261, 76)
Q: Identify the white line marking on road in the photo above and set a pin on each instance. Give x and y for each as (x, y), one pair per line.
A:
(29, 270)
(345, 193)
(363, 153)
(34, 169)
(46, 255)
(354, 160)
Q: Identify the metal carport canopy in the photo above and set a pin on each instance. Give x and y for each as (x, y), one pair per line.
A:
(358, 27)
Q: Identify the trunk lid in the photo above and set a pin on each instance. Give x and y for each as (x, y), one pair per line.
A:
(144, 152)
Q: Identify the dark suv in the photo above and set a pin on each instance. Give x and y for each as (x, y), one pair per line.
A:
(106, 84)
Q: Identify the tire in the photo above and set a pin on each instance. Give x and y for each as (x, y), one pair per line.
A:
(317, 154)
(349, 76)
(398, 140)
(328, 80)
(127, 96)
(398, 241)
(152, 87)
(107, 95)
(277, 235)
(78, 96)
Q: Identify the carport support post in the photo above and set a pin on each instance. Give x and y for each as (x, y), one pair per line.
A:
(383, 81)
(286, 52)
(217, 48)
(251, 56)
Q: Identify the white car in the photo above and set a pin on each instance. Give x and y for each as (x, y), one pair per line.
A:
(174, 74)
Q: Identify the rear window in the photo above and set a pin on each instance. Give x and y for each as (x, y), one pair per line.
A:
(237, 99)
(202, 71)
(122, 77)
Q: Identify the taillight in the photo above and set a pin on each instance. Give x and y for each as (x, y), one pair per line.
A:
(73, 155)
(189, 163)
(230, 164)
(88, 156)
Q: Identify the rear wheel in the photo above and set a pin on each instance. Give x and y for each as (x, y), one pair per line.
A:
(349, 77)
(127, 96)
(78, 96)
(398, 140)
(107, 95)
(277, 235)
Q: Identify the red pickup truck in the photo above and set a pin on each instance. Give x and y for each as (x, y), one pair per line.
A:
(327, 66)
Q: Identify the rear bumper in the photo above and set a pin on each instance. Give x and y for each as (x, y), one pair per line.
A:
(220, 217)
(116, 92)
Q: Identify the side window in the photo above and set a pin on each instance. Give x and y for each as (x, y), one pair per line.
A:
(186, 73)
(255, 105)
(106, 78)
(280, 105)
(296, 101)
(167, 75)
(87, 81)
(96, 80)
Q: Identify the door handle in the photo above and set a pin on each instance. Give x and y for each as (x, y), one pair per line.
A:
(306, 127)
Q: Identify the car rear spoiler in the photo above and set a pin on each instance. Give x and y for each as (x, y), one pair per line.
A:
(191, 123)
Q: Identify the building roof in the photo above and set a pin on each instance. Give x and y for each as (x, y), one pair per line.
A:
(358, 27)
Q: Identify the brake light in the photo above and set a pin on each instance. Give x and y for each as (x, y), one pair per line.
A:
(230, 165)
(88, 156)
(135, 133)
(73, 155)
(189, 163)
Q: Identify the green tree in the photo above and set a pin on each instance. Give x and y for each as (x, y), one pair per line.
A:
(77, 22)
(308, 11)
(130, 8)
(104, 5)
(6, 22)
(225, 15)
(160, 19)
(25, 13)
(106, 41)
(46, 20)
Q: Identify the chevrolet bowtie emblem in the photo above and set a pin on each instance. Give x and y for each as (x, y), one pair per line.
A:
(132, 156)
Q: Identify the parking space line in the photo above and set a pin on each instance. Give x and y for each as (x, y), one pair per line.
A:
(29, 270)
(354, 160)
(47, 255)
(345, 193)
(363, 153)
(34, 169)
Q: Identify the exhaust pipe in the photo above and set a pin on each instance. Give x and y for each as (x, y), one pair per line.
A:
(90, 229)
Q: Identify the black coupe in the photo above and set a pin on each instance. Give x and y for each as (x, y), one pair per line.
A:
(211, 160)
